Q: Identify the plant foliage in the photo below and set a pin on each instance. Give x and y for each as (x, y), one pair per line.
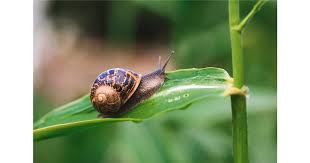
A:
(183, 88)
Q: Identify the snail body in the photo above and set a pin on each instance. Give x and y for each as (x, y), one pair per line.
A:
(117, 90)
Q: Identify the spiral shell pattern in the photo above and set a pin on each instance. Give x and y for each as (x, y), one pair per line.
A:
(125, 82)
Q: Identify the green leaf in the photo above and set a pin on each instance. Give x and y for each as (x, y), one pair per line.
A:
(182, 88)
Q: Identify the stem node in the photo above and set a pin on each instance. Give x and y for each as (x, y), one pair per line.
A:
(243, 91)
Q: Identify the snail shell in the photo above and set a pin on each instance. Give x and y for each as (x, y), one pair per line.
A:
(117, 90)
(113, 88)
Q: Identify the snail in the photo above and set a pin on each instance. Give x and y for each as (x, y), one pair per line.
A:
(117, 90)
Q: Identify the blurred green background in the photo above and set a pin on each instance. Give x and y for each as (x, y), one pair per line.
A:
(76, 40)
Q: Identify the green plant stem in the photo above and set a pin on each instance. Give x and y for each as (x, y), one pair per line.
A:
(250, 15)
(236, 46)
(238, 102)
(239, 122)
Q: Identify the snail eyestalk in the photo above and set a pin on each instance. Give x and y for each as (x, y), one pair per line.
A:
(167, 61)
(159, 62)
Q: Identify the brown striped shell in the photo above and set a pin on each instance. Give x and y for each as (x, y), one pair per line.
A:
(113, 88)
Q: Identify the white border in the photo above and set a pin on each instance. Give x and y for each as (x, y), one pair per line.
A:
(293, 81)
(16, 81)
